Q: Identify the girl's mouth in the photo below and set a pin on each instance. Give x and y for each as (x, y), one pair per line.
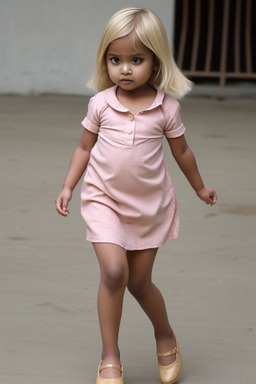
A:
(126, 81)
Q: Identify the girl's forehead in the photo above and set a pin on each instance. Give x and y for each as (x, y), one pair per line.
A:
(129, 42)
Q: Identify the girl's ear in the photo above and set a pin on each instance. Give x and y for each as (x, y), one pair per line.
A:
(156, 64)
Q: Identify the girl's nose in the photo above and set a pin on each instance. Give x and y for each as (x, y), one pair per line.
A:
(126, 70)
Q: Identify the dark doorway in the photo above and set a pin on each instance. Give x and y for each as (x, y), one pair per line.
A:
(214, 39)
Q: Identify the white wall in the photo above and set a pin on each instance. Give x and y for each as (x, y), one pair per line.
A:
(49, 46)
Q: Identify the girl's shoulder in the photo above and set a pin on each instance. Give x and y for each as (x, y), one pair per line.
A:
(170, 101)
(171, 109)
(170, 105)
(100, 100)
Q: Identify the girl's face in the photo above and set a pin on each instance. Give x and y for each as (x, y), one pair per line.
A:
(130, 67)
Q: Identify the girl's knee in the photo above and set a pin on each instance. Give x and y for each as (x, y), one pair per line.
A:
(138, 287)
(113, 266)
(114, 277)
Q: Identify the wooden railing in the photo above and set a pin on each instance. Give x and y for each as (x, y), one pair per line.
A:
(236, 29)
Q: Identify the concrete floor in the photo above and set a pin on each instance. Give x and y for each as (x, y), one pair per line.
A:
(49, 274)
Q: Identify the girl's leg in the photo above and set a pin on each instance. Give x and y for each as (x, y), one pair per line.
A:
(114, 276)
(150, 299)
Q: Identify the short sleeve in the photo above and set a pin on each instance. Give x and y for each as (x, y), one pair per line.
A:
(92, 120)
(174, 126)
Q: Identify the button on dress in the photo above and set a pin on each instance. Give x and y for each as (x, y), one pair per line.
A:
(127, 196)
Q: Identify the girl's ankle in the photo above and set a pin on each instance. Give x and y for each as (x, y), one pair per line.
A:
(166, 343)
(111, 358)
(168, 336)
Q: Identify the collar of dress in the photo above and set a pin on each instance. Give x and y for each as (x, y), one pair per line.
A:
(112, 100)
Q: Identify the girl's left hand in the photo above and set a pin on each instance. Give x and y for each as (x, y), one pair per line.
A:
(208, 195)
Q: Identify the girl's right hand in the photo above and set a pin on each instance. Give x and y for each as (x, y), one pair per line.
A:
(63, 200)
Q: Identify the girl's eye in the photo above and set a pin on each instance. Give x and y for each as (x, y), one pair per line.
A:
(115, 60)
(136, 60)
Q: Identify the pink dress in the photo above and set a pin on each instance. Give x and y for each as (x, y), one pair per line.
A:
(127, 195)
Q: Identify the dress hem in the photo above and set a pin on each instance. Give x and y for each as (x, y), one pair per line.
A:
(134, 248)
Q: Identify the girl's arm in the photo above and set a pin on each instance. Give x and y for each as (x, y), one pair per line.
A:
(75, 171)
(187, 163)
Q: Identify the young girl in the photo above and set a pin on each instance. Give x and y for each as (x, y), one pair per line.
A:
(127, 200)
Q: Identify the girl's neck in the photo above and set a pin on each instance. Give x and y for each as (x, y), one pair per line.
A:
(137, 99)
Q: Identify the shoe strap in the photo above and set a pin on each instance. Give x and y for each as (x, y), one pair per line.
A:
(119, 367)
(170, 353)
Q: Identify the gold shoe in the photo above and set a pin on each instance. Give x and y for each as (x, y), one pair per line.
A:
(170, 373)
(118, 380)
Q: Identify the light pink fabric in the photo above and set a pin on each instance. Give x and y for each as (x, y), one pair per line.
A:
(127, 195)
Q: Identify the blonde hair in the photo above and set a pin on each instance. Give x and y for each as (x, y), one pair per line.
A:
(148, 28)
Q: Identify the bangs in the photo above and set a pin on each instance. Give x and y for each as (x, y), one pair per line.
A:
(137, 43)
